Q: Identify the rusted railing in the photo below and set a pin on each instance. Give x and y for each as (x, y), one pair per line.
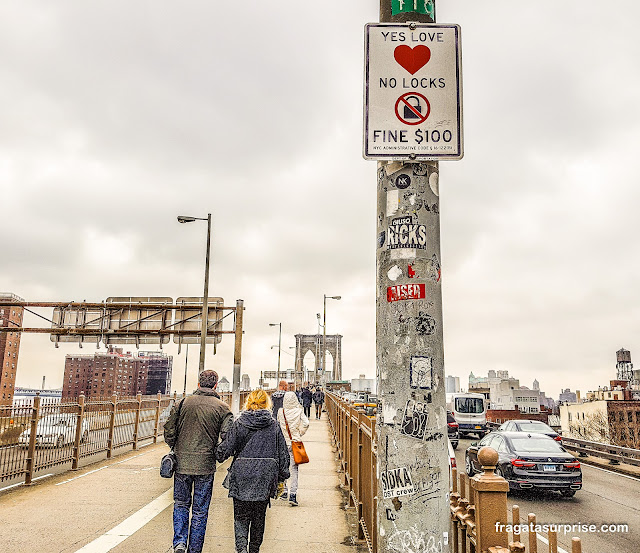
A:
(354, 435)
(479, 520)
(43, 433)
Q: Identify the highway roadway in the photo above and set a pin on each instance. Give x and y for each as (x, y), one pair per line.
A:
(606, 498)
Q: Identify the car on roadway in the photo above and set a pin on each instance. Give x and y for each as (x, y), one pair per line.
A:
(526, 425)
(452, 461)
(452, 430)
(56, 430)
(529, 461)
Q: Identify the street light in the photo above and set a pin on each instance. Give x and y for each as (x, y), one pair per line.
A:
(324, 337)
(279, 325)
(205, 297)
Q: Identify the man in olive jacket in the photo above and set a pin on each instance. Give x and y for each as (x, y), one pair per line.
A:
(192, 431)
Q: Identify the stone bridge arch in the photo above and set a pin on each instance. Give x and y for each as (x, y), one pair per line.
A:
(313, 343)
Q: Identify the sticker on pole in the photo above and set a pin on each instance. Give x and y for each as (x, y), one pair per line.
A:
(413, 92)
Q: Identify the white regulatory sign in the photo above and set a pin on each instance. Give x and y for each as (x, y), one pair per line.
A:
(413, 92)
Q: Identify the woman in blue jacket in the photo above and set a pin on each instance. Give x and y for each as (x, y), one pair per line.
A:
(260, 462)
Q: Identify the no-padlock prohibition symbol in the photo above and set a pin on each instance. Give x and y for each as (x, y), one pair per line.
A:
(412, 108)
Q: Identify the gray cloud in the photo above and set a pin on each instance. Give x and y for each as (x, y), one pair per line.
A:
(117, 117)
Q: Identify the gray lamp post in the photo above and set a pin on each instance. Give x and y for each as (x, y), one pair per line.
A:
(205, 297)
(279, 325)
(324, 336)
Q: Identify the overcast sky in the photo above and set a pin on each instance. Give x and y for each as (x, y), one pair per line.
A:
(117, 116)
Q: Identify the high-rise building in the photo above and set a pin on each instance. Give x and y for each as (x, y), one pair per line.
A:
(157, 367)
(10, 316)
(452, 384)
(114, 372)
(245, 383)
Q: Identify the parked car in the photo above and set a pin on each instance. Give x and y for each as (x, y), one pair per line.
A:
(56, 431)
(525, 425)
(452, 430)
(452, 460)
(528, 460)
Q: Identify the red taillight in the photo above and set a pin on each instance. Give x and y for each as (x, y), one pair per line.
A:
(519, 463)
(453, 424)
(573, 465)
(558, 438)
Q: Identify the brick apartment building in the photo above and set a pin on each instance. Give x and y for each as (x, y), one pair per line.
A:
(157, 368)
(115, 372)
(624, 423)
(10, 316)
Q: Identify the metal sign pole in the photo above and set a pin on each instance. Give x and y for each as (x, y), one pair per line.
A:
(413, 474)
(237, 354)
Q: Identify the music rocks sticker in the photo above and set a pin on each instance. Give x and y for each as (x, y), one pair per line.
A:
(404, 233)
(406, 292)
(397, 482)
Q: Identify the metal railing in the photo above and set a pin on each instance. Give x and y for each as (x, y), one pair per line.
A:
(478, 505)
(354, 436)
(43, 433)
(614, 453)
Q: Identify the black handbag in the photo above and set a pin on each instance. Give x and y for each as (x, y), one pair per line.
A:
(168, 465)
(169, 462)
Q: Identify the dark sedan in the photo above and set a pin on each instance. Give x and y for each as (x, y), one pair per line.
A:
(525, 425)
(452, 430)
(529, 461)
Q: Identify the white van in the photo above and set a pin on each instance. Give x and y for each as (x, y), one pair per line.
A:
(470, 412)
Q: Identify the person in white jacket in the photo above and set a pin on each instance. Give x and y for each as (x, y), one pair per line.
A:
(292, 413)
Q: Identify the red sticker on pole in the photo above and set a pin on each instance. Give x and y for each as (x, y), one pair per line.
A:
(406, 292)
(412, 108)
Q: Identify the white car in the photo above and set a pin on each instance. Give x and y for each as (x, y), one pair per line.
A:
(56, 431)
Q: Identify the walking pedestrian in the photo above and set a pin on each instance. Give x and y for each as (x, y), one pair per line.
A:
(276, 397)
(260, 463)
(292, 415)
(306, 400)
(318, 399)
(192, 431)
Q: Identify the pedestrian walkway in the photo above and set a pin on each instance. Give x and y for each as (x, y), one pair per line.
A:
(123, 506)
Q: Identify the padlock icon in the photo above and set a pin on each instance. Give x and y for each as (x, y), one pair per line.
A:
(408, 112)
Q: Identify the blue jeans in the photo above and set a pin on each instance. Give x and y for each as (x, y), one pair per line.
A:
(188, 487)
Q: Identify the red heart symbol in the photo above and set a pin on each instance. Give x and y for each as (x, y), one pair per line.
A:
(412, 59)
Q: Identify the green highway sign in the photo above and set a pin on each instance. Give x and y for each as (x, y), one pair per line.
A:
(416, 6)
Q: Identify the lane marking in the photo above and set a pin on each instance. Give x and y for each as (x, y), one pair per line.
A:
(546, 541)
(130, 525)
(22, 483)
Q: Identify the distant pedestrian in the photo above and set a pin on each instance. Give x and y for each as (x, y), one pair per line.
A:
(307, 397)
(276, 397)
(292, 415)
(318, 399)
(260, 463)
(192, 430)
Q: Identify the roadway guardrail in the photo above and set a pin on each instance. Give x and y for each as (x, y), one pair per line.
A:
(607, 451)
